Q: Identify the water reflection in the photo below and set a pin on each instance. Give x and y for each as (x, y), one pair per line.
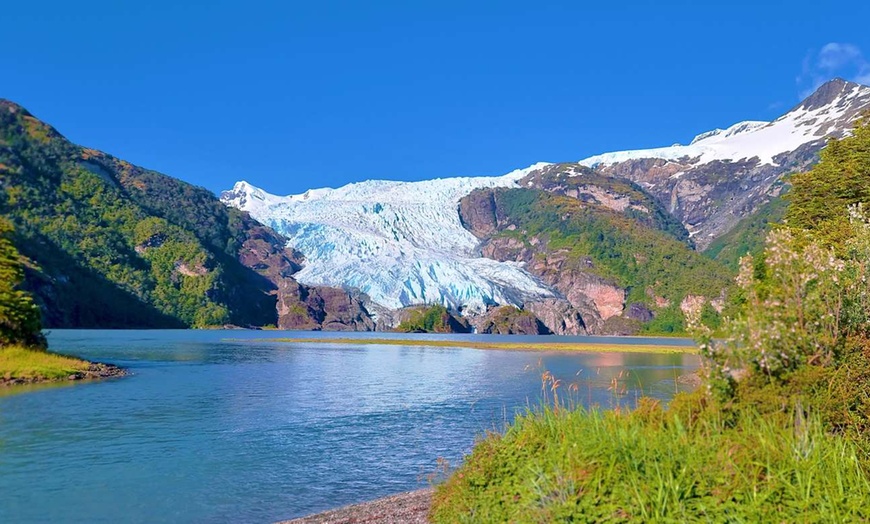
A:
(211, 430)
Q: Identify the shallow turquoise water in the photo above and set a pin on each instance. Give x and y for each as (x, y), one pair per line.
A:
(247, 430)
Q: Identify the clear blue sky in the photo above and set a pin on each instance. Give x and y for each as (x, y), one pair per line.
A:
(292, 95)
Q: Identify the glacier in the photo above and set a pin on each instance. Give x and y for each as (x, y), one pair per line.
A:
(400, 243)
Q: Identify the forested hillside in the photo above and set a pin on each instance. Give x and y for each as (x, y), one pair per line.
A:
(115, 245)
(748, 234)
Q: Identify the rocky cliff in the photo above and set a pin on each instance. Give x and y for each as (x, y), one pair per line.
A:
(299, 306)
(609, 271)
(509, 320)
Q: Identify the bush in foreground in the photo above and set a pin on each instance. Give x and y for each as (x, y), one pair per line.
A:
(779, 430)
(650, 465)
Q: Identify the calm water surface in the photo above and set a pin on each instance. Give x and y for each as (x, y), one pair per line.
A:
(209, 429)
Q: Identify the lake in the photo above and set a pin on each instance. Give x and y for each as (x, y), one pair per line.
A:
(217, 426)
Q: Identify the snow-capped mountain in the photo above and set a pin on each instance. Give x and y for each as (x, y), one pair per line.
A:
(724, 174)
(401, 243)
(814, 119)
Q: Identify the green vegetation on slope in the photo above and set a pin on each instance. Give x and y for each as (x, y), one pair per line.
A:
(431, 319)
(593, 187)
(647, 262)
(657, 216)
(747, 236)
(779, 430)
(115, 245)
(819, 198)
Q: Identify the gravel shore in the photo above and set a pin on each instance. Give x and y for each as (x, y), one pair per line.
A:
(405, 508)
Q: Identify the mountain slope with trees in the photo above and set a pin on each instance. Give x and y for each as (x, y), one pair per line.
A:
(779, 429)
(619, 274)
(116, 245)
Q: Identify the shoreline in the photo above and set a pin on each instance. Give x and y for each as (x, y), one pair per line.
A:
(410, 507)
(590, 347)
(95, 371)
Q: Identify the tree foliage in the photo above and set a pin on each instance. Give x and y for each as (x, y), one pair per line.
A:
(801, 333)
(819, 198)
(432, 319)
(121, 246)
(20, 322)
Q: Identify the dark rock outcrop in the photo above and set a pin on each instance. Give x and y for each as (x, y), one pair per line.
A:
(508, 320)
(299, 306)
(477, 212)
(558, 315)
(638, 312)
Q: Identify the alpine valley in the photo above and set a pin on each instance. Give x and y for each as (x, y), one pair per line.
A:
(607, 245)
(618, 243)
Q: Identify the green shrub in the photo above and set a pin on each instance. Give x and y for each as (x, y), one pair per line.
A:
(666, 321)
(557, 465)
(432, 319)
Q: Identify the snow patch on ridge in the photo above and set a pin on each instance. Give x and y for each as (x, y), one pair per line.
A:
(402, 243)
(752, 139)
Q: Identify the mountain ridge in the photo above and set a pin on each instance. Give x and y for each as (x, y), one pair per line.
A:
(712, 183)
(707, 186)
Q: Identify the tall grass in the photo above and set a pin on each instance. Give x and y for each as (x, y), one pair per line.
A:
(20, 363)
(648, 465)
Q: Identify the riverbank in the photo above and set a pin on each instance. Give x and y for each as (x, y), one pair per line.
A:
(20, 365)
(411, 507)
(519, 346)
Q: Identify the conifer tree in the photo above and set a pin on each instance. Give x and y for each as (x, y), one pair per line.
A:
(819, 198)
